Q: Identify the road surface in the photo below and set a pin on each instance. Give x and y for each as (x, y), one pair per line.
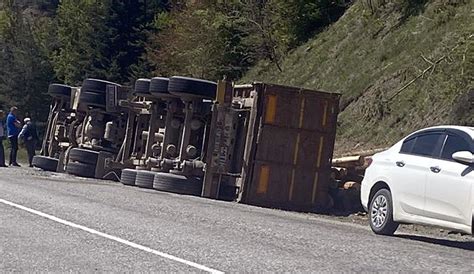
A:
(56, 222)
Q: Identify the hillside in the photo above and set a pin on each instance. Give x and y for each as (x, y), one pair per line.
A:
(400, 67)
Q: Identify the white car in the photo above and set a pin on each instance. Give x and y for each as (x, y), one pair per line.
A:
(426, 178)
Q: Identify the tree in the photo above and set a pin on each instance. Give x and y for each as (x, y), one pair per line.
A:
(80, 41)
(200, 39)
(128, 23)
(25, 70)
(302, 19)
(210, 39)
(103, 39)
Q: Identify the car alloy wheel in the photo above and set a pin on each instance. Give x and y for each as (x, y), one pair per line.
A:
(379, 211)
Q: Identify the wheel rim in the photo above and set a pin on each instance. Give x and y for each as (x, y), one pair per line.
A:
(379, 211)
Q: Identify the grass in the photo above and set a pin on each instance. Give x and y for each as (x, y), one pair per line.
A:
(22, 156)
(368, 57)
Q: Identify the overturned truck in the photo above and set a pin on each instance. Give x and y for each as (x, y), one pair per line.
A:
(84, 130)
(261, 144)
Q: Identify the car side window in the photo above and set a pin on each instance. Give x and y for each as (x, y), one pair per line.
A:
(425, 145)
(422, 145)
(454, 144)
(407, 145)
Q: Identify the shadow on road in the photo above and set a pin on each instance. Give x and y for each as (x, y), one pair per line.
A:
(466, 245)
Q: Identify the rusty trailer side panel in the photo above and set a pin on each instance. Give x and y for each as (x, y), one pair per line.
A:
(291, 146)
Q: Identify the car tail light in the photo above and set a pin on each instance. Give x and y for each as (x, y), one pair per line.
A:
(368, 161)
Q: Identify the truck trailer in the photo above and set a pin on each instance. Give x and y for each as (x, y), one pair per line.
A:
(261, 144)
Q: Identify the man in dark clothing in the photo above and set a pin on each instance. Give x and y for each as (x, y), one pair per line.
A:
(13, 126)
(2, 136)
(29, 136)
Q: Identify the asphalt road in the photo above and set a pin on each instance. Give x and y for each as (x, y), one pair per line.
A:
(146, 226)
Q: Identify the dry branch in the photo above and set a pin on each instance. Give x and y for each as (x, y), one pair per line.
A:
(431, 67)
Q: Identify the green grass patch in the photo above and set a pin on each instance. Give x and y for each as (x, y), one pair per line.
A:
(22, 156)
(368, 57)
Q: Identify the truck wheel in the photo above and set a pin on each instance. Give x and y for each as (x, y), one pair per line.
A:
(59, 91)
(142, 86)
(381, 213)
(177, 184)
(96, 85)
(128, 177)
(84, 156)
(145, 178)
(185, 87)
(45, 163)
(81, 169)
(159, 87)
(92, 99)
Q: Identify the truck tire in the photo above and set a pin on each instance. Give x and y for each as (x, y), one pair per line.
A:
(81, 169)
(92, 99)
(186, 87)
(45, 163)
(145, 178)
(159, 87)
(128, 177)
(142, 85)
(177, 184)
(84, 156)
(96, 85)
(59, 91)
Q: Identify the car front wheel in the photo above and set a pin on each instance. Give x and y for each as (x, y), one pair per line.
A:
(381, 213)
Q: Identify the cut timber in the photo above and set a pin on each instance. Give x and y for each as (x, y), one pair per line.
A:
(364, 152)
(349, 161)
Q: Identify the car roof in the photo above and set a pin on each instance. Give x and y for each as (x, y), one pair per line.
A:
(466, 129)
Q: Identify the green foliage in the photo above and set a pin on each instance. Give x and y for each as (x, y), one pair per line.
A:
(369, 57)
(70, 40)
(301, 19)
(25, 70)
(80, 25)
(103, 39)
(201, 40)
(212, 39)
(3, 21)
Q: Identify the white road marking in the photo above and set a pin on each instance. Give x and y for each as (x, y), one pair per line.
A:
(113, 238)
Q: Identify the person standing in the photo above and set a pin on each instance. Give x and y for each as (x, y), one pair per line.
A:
(30, 137)
(13, 128)
(2, 136)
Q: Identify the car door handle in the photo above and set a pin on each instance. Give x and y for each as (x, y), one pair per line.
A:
(400, 163)
(435, 169)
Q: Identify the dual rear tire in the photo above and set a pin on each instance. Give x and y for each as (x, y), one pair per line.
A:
(191, 88)
(60, 91)
(128, 177)
(167, 182)
(177, 184)
(93, 92)
(82, 162)
(45, 163)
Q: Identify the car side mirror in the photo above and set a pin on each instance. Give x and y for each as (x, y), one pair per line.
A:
(464, 157)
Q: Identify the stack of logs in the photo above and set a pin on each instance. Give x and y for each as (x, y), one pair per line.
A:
(346, 177)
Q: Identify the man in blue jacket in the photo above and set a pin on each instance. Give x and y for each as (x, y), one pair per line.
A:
(2, 136)
(13, 128)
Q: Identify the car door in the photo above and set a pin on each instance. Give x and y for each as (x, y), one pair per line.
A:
(411, 168)
(449, 183)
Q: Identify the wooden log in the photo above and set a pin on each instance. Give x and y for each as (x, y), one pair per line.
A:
(348, 161)
(365, 152)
